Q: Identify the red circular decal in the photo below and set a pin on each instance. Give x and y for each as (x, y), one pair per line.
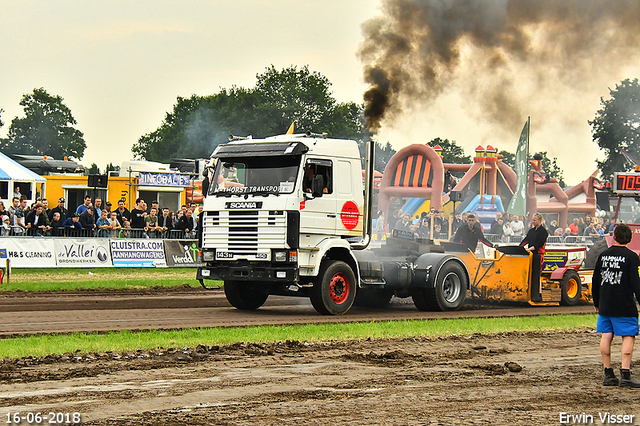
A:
(350, 215)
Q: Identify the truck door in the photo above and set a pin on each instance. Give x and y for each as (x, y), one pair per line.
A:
(319, 214)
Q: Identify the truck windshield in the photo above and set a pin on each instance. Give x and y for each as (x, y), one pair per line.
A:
(258, 175)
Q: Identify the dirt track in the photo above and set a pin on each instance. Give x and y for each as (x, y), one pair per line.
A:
(445, 381)
(23, 314)
(513, 378)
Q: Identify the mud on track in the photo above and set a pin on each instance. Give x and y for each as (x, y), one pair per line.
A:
(458, 380)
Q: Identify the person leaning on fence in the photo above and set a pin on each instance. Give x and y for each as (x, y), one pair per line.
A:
(507, 231)
(590, 231)
(5, 230)
(151, 223)
(517, 226)
(18, 225)
(186, 224)
(56, 225)
(125, 231)
(497, 228)
(103, 224)
(37, 222)
(24, 207)
(114, 224)
(15, 205)
(72, 225)
(165, 224)
(122, 212)
(3, 211)
(86, 220)
(615, 282)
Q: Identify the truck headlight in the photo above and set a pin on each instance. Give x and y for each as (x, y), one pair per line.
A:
(280, 256)
(208, 255)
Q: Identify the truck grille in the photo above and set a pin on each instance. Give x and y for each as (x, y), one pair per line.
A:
(245, 233)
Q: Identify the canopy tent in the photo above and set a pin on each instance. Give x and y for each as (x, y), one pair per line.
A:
(12, 175)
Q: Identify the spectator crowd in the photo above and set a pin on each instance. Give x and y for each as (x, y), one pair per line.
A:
(91, 219)
(504, 227)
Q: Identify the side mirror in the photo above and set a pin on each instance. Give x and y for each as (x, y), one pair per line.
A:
(317, 185)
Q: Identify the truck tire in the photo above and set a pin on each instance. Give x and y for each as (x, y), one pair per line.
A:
(334, 290)
(449, 292)
(373, 298)
(244, 295)
(571, 288)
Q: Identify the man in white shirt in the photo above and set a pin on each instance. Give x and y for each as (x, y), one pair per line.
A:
(517, 226)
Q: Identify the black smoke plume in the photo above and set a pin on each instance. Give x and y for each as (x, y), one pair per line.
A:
(500, 54)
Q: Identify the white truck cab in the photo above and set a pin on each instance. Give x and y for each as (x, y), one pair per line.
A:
(283, 216)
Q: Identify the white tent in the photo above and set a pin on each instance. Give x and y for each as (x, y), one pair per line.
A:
(13, 175)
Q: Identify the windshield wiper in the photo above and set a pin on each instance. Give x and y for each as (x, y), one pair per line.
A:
(230, 194)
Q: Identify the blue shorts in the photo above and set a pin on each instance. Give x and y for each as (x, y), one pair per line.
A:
(619, 326)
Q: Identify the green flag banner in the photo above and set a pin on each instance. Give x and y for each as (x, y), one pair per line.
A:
(518, 204)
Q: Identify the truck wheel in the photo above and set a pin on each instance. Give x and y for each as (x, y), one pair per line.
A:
(244, 295)
(449, 292)
(334, 290)
(571, 288)
(373, 298)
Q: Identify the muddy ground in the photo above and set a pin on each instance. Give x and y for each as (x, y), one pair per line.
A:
(511, 378)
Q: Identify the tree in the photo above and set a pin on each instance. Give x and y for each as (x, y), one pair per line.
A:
(46, 129)
(616, 127)
(383, 155)
(550, 167)
(93, 169)
(111, 168)
(199, 123)
(508, 158)
(451, 152)
(1, 122)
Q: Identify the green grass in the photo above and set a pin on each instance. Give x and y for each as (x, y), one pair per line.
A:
(126, 341)
(56, 279)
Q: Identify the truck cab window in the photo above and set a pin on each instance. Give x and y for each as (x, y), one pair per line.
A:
(321, 168)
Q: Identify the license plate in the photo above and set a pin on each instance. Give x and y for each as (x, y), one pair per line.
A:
(224, 255)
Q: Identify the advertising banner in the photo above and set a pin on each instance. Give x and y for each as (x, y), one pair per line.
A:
(554, 259)
(82, 252)
(182, 254)
(138, 253)
(33, 252)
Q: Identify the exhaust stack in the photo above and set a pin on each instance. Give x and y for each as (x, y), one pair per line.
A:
(369, 163)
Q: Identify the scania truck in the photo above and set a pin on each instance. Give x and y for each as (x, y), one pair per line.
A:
(290, 215)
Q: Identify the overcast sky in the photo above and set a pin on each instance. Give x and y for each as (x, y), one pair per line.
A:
(119, 65)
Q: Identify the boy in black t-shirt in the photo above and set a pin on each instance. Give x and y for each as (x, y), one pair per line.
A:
(615, 281)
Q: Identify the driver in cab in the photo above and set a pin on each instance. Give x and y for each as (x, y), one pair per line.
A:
(309, 173)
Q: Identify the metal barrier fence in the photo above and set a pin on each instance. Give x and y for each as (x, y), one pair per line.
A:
(552, 239)
(172, 234)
